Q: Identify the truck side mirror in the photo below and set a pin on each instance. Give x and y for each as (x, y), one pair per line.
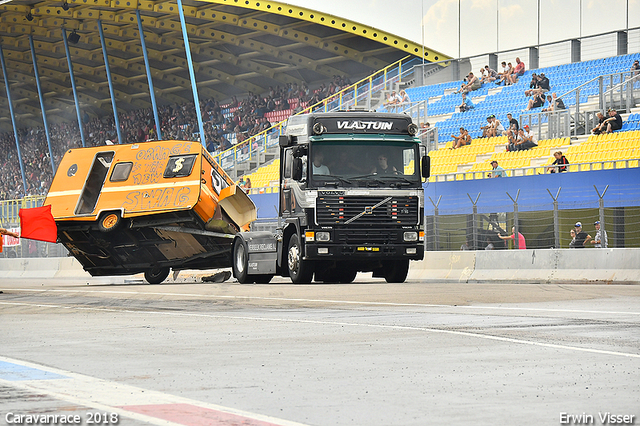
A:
(426, 166)
(297, 169)
(284, 141)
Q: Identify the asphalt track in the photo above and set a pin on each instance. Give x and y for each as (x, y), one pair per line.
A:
(368, 353)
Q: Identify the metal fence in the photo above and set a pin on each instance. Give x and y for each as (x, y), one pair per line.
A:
(544, 223)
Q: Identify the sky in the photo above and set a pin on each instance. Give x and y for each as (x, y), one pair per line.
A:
(486, 25)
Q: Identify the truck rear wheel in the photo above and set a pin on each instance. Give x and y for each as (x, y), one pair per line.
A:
(240, 262)
(396, 271)
(157, 275)
(300, 271)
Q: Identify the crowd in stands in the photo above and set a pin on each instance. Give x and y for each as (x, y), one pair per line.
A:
(243, 119)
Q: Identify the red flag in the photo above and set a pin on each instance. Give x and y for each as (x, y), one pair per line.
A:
(38, 224)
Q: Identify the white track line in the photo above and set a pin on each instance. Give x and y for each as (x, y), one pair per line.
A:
(108, 396)
(335, 323)
(340, 302)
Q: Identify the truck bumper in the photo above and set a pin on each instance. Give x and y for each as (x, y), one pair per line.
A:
(328, 251)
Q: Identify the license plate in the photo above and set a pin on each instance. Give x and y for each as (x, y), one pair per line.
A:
(368, 248)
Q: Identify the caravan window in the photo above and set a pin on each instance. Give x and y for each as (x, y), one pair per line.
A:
(121, 172)
(180, 166)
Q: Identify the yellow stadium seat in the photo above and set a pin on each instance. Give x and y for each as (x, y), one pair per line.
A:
(574, 168)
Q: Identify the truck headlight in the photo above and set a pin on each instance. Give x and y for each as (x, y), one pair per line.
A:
(410, 236)
(323, 236)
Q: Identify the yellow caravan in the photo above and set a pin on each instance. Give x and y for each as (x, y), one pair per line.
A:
(147, 207)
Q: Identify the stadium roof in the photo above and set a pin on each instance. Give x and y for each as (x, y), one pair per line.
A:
(238, 46)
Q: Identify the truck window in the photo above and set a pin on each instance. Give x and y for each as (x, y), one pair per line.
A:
(121, 172)
(180, 166)
(288, 163)
(95, 181)
(217, 181)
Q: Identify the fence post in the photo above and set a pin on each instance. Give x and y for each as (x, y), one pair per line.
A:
(474, 218)
(435, 222)
(601, 207)
(556, 222)
(515, 219)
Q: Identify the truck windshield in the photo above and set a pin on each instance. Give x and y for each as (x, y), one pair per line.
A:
(354, 163)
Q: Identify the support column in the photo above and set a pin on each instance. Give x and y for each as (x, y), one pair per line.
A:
(149, 79)
(44, 112)
(622, 42)
(575, 50)
(13, 119)
(73, 85)
(534, 58)
(111, 91)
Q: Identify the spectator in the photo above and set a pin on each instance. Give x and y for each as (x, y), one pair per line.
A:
(498, 128)
(581, 237)
(517, 71)
(497, 171)
(558, 103)
(536, 101)
(635, 68)
(502, 74)
(514, 126)
(489, 74)
(529, 139)
(465, 246)
(462, 140)
(549, 107)
(486, 129)
(543, 85)
(490, 245)
(572, 244)
(404, 98)
(472, 84)
(506, 74)
(532, 85)
(466, 104)
(560, 163)
(522, 245)
(600, 240)
(393, 99)
(513, 141)
(600, 126)
(613, 123)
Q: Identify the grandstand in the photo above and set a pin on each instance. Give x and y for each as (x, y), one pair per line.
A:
(585, 87)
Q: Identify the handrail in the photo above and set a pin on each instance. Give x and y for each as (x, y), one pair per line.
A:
(454, 175)
(323, 102)
(633, 77)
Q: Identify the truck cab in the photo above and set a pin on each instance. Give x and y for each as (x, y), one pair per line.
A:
(351, 200)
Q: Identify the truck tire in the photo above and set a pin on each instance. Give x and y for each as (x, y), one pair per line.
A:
(240, 263)
(109, 221)
(157, 275)
(396, 271)
(300, 271)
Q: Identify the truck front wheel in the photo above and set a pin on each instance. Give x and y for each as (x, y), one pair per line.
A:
(240, 262)
(396, 271)
(300, 270)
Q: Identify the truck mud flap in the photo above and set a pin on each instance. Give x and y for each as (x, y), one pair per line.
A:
(238, 206)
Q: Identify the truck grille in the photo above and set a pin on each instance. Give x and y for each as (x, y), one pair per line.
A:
(340, 210)
(367, 236)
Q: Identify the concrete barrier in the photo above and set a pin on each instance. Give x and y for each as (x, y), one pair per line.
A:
(444, 266)
(612, 266)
